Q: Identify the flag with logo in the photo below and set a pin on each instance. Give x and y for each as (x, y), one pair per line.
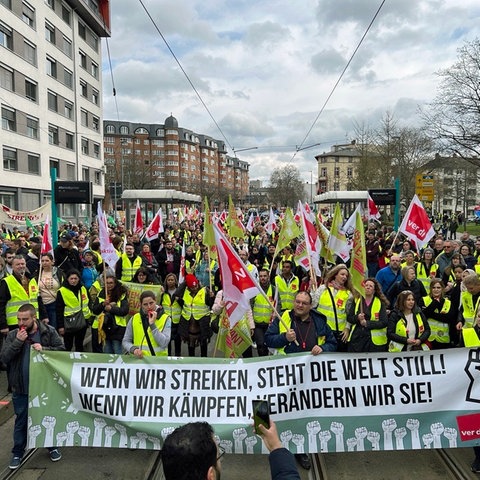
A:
(312, 241)
(138, 221)
(250, 223)
(238, 285)
(271, 224)
(181, 276)
(47, 244)
(155, 227)
(288, 232)
(373, 213)
(234, 225)
(416, 225)
(233, 341)
(337, 241)
(358, 265)
(107, 250)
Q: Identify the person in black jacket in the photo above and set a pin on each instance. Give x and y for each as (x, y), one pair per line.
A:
(19, 343)
(190, 453)
(66, 256)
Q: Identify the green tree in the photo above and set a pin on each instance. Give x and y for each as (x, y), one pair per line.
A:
(286, 187)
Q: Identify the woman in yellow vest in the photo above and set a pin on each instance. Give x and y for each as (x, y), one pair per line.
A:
(112, 302)
(426, 269)
(170, 304)
(439, 314)
(368, 317)
(148, 332)
(333, 300)
(407, 327)
(72, 297)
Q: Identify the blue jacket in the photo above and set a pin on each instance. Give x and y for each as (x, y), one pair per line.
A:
(387, 278)
(275, 339)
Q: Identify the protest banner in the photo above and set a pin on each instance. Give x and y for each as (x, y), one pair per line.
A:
(324, 403)
(18, 218)
(134, 292)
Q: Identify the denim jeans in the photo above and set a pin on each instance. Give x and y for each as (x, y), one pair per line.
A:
(113, 346)
(20, 407)
(52, 314)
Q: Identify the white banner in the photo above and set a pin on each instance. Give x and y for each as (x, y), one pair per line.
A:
(17, 218)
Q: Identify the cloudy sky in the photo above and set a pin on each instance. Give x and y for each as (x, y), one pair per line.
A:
(265, 68)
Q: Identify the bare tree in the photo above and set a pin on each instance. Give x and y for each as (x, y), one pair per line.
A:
(453, 117)
(286, 187)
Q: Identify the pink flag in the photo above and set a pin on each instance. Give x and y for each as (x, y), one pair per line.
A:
(47, 244)
(416, 225)
(271, 225)
(373, 213)
(107, 250)
(138, 222)
(250, 223)
(312, 240)
(155, 227)
(238, 285)
(181, 277)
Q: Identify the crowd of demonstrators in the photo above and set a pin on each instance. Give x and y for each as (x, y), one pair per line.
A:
(413, 299)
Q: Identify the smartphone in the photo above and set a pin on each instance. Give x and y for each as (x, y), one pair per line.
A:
(261, 414)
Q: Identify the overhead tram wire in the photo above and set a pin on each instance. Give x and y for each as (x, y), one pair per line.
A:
(186, 75)
(339, 80)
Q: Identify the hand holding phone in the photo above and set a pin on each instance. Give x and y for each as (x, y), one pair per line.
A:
(261, 415)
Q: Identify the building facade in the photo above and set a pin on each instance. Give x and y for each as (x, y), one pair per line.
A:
(166, 156)
(51, 98)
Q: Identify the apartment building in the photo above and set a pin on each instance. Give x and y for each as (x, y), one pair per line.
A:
(51, 98)
(166, 156)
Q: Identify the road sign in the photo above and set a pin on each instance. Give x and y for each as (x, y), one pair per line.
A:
(424, 187)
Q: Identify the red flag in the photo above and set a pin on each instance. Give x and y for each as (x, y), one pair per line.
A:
(47, 244)
(373, 213)
(155, 227)
(181, 277)
(138, 223)
(312, 240)
(416, 225)
(250, 223)
(238, 285)
(271, 225)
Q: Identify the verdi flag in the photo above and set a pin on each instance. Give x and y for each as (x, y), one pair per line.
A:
(271, 224)
(138, 222)
(250, 223)
(155, 227)
(235, 227)
(373, 213)
(358, 265)
(416, 225)
(337, 242)
(47, 244)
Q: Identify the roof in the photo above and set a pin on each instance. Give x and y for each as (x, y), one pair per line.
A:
(342, 196)
(160, 196)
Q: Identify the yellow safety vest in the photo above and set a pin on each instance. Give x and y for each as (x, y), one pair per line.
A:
(325, 306)
(470, 337)
(173, 309)
(469, 309)
(195, 306)
(19, 297)
(120, 321)
(286, 325)
(262, 310)
(96, 286)
(422, 274)
(140, 339)
(129, 268)
(73, 303)
(401, 330)
(439, 331)
(379, 335)
(287, 291)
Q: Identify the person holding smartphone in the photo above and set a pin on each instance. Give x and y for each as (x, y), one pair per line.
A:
(190, 452)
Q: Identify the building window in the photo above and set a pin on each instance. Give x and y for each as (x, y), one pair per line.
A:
(68, 78)
(66, 14)
(94, 70)
(51, 67)
(68, 110)
(31, 90)
(30, 52)
(52, 135)
(28, 14)
(336, 171)
(160, 132)
(50, 33)
(124, 130)
(84, 118)
(33, 164)
(109, 140)
(6, 3)
(6, 38)
(85, 174)
(52, 101)
(69, 140)
(6, 78)
(83, 59)
(96, 150)
(67, 47)
(82, 30)
(349, 172)
(32, 127)
(98, 177)
(8, 119)
(56, 165)
(96, 124)
(95, 97)
(50, 3)
(83, 87)
(84, 146)
(109, 129)
(70, 171)
(9, 159)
